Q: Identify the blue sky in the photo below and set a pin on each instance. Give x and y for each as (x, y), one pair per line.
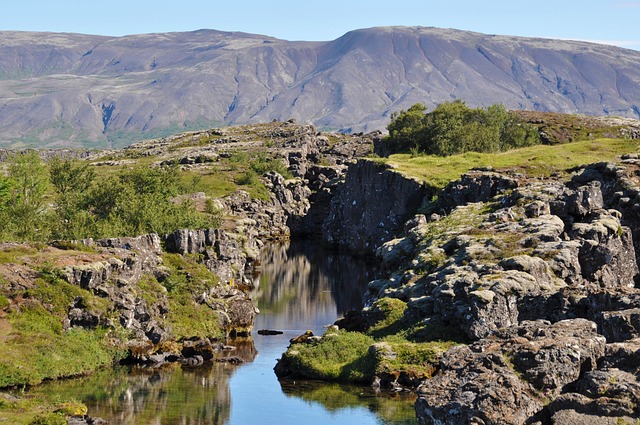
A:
(606, 21)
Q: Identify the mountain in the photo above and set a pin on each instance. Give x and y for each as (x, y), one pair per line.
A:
(82, 90)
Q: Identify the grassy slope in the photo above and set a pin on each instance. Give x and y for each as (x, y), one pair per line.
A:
(535, 161)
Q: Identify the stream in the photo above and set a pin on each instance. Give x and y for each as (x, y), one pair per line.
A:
(300, 286)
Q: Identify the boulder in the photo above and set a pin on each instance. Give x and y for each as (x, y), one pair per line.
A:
(506, 378)
(476, 388)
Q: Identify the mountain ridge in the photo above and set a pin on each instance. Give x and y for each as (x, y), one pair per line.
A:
(61, 89)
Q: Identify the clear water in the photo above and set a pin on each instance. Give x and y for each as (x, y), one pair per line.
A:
(300, 287)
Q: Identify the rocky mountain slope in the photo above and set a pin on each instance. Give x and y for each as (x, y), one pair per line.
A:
(72, 90)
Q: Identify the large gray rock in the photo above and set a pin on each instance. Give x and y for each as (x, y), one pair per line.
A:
(474, 187)
(371, 207)
(607, 255)
(505, 379)
(228, 256)
(476, 388)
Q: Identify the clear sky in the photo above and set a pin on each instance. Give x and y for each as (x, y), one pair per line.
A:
(606, 21)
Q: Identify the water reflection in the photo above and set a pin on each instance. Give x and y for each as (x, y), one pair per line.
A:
(167, 396)
(301, 286)
(396, 409)
(301, 282)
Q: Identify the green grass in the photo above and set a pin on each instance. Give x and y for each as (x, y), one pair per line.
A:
(37, 348)
(535, 161)
(212, 182)
(346, 356)
(418, 359)
(12, 254)
(186, 279)
(340, 357)
(392, 310)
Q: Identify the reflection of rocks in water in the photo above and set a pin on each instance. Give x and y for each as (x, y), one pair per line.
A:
(170, 395)
(334, 397)
(300, 278)
(245, 349)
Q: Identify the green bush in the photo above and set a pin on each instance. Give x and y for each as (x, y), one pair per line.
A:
(453, 128)
(248, 178)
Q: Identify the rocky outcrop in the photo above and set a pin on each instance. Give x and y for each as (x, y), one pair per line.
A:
(539, 275)
(371, 207)
(226, 255)
(116, 279)
(128, 260)
(506, 379)
(269, 219)
(296, 206)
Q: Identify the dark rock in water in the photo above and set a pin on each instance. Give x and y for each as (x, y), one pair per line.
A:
(202, 348)
(232, 360)
(239, 311)
(194, 361)
(269, 332)
(85, 420)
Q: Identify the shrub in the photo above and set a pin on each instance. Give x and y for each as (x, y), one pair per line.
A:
(49, 419)
(248, 178)
(453, 128)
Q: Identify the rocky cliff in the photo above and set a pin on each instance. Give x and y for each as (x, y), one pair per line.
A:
(370, 207)
(82, 90)
(532, 279)
(540, 277)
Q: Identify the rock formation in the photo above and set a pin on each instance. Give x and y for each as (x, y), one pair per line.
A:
(536, 276)
(539, 276)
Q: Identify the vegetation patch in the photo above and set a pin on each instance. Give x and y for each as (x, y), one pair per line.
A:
(558, 128)
(186, 279)
(454, 128)
(538, 161)
(341, 356)
(37, 348)
(390, 347)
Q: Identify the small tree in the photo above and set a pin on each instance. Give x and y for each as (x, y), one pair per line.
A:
(406, 127)
(25, 206)
(72, 182)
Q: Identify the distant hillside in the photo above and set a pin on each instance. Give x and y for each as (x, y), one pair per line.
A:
(83, 90)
